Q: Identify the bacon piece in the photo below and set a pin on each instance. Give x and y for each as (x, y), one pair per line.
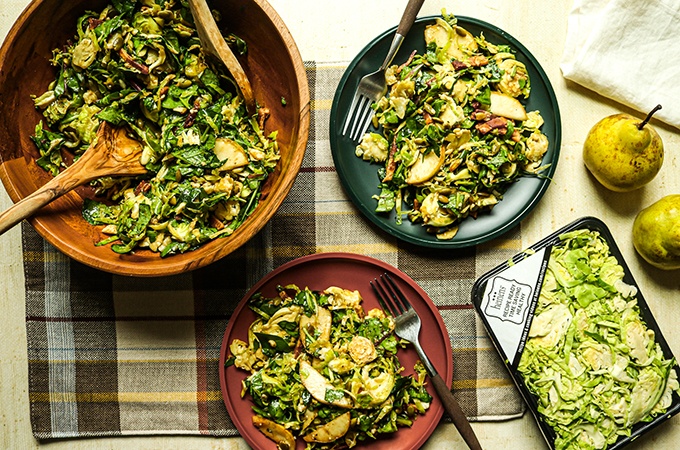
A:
(483, 128)
(215, 222)
(143, 186)
(496, 123)
(391, 163)
(408, 61)
(459, 65)
(262, 116)
(125, 56)
(93, 23)
(478, 61)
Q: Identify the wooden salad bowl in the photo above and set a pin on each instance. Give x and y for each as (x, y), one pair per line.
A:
(273, 65)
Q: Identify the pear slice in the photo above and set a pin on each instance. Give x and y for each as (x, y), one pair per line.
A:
(329, 432)
(506, 106)
(231, 153)
(320, 322)
(457, 40)
(463, 40)
(324, 320)
(437, 33)
(317, 385)
(284, 439)
(426, 167)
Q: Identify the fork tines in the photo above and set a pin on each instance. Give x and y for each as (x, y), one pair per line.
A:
(389, 295)
(359, 117)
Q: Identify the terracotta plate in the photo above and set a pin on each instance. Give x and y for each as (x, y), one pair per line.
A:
(348, 271)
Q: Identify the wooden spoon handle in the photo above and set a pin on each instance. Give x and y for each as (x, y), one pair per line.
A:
(112, 153)
(455, 412)
(214, 43)
(26, 207)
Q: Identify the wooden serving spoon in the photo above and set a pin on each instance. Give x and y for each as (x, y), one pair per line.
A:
(214, 44)
(112, 153)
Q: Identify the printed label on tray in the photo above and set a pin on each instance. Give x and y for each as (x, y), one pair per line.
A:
(510, 299)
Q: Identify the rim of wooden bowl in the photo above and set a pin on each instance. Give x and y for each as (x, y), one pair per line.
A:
(77, 240)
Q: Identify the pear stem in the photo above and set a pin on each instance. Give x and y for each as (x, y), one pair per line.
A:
(642, 124)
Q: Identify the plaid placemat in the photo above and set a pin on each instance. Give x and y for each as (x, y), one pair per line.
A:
(111, 355)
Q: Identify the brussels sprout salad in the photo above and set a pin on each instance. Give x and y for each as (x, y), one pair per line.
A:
(452, 133)
(139, 64)
(323, 369)
(590, 358)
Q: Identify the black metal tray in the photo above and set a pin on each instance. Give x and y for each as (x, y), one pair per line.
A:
(525, 312)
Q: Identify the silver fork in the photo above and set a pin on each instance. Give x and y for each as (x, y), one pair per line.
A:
(407, 327)
(373, 86)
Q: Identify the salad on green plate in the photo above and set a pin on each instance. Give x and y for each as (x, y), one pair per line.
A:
(451, 134)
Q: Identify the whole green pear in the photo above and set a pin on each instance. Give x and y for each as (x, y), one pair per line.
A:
(656, 233)
(622, 152)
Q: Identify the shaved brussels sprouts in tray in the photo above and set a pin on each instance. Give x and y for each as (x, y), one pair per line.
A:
(579, 339)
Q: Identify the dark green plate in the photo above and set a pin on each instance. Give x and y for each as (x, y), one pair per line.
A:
(360, 178)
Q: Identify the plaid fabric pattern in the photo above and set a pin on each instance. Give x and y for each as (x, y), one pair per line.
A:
(111, 355)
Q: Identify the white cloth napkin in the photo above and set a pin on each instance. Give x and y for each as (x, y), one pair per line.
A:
(627, 50)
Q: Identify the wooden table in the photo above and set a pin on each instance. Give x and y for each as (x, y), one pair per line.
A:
(336, 32)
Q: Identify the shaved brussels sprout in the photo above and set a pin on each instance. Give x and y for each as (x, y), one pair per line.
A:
(515, 79)
(590, 359)
(373, 147)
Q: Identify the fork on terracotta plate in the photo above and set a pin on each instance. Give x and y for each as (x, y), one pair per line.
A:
(407, 327)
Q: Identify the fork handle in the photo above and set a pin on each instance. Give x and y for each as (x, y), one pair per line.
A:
(450, 404)
(407, 19)
(409, 16)
(455, 412)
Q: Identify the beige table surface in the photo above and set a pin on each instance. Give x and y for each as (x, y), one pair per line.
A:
(336, 31)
